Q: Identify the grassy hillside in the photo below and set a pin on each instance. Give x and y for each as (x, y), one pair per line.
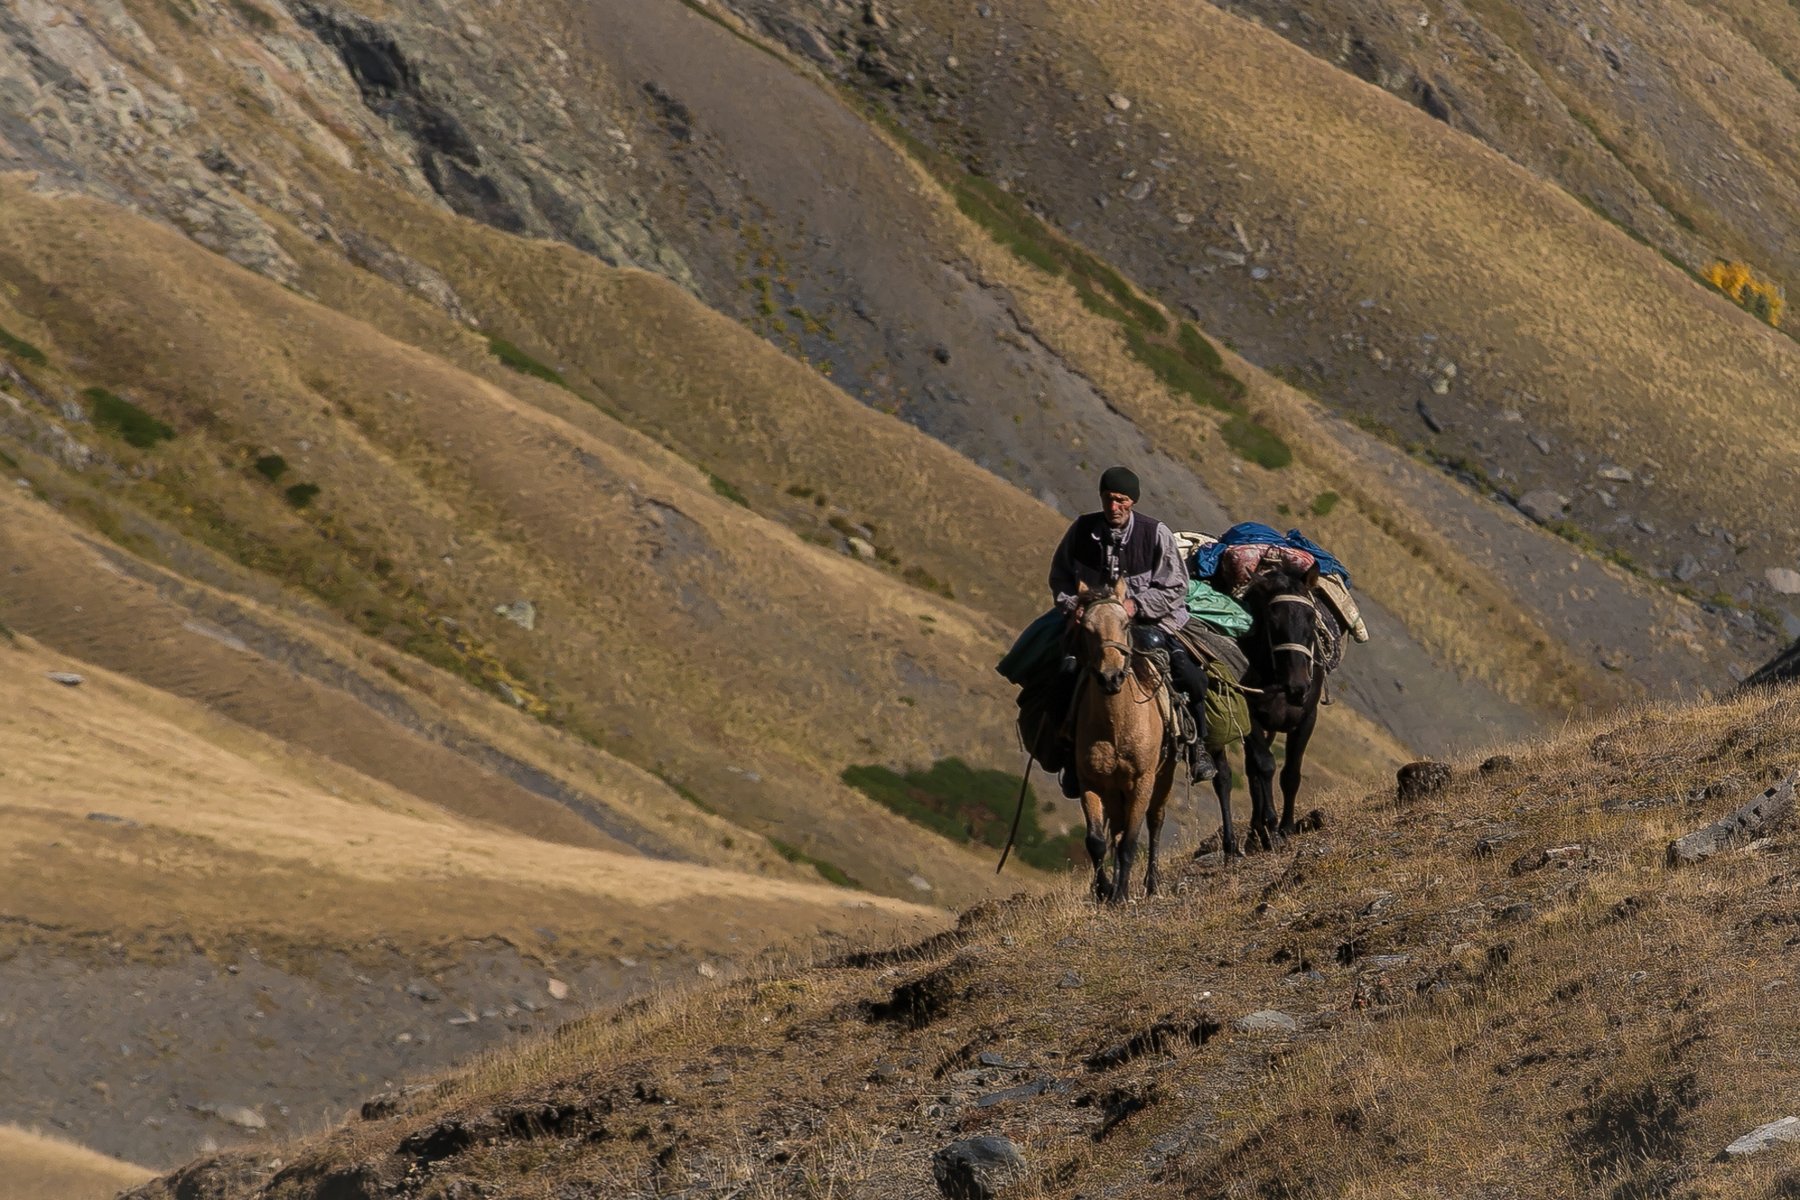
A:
(46, 1168)
(167, 827)
(1357, 1015)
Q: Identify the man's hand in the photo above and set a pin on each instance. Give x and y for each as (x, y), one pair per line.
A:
(1130, 607)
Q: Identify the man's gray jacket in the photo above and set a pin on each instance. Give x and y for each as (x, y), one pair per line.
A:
(1144, 552)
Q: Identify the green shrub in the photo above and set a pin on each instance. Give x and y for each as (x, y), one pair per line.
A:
(1323, 503)
(965, 804)
(1199, 351)
(725, 489)
(270, 466)
(119, 416)
(301, 494)
(1179, 375)
(920, 578)
(21, 349)
(254, 16)
(1256, 443)
(523, 363)
(831, 871)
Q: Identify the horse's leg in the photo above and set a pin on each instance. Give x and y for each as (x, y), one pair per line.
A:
(1228, 843)
(1259, 764)
(1290, 770)
(1092, 809)
(1124, 855)
(1159, 807)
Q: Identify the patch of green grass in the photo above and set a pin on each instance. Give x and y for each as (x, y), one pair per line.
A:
(120, 417)
(688, 794)
(1323, 503)
(965, 804)
(7, 635)
(523, 363)
(1256, 443)
(21, 349)
(831, 871)
(1006, 222)
(255, 16)
(270, 466)
(301, 494)
(8, 461)
(920, 578)
(1180, 374)
(726, 489)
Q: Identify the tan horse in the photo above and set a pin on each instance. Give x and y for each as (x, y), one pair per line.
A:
(1119, 753)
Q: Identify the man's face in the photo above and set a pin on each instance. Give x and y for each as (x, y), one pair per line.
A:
(1117, 507)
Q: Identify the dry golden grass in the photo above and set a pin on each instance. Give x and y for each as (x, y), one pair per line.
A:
(130, 812)
(1581, 1022)
(444, 495)
(36, 1166)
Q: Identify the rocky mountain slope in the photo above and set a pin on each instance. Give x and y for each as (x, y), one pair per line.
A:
(1506, 945)
(1471, 258)
(596, 429)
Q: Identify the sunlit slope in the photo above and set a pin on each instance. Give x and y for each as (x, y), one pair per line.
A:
(672, 626)
(140, 816)
(37, 1167)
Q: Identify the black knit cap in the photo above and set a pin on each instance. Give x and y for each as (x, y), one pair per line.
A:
(1120, 480)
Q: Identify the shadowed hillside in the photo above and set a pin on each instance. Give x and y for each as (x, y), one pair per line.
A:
(1506, 948)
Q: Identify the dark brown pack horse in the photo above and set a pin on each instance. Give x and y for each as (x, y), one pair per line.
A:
(1121, 757)
(1283, 687)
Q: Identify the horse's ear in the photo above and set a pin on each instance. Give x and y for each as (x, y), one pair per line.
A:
(1118, 589)
(1312, 577)
(1081, 591)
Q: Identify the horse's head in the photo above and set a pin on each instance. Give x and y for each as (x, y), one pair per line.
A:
(1106, 635)
(1281, 603)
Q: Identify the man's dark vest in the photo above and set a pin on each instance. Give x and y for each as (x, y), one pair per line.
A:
(1136, 557)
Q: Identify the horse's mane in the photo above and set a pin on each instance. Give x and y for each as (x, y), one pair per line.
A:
(1274, 581)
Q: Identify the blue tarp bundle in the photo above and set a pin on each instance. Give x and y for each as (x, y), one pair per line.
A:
(1253, 533)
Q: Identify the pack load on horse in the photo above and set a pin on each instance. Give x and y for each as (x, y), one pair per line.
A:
(1298, 597)
(1180, 632)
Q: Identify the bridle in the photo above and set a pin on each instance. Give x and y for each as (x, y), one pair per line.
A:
(1109, 643)
(1307, 649)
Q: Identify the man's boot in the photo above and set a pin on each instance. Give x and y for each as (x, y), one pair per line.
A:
(1200, 763)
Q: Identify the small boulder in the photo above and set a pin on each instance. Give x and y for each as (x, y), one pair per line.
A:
(557, 988)
(1266, 1020)
(1762, 1137)
(522, 613)
(241, 1116)
(1119, 101)
(66, 678)
(978, 1168)
(862, 548)
(1784, 580)
(1417, 780)
(1686, 569)
(1543, 505)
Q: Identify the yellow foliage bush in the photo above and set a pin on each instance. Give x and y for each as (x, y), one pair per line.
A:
(1759, 297)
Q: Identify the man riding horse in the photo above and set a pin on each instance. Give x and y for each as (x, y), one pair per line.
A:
(1116, 543)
